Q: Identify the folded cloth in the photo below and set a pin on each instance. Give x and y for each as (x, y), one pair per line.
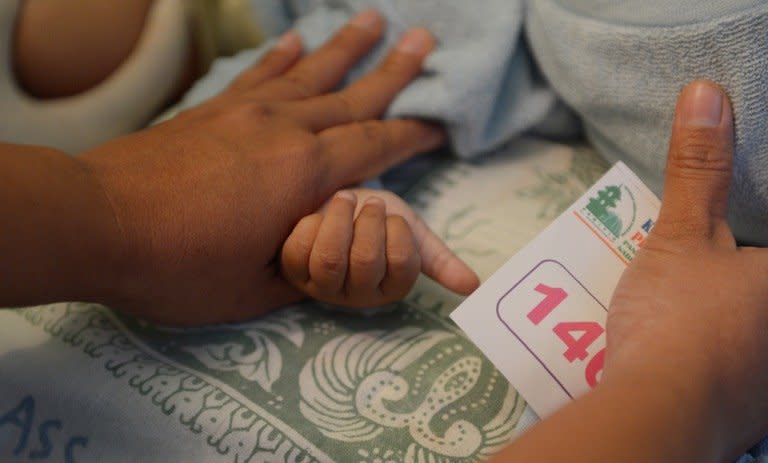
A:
(480, 81)
(621, 68)
(122, 103)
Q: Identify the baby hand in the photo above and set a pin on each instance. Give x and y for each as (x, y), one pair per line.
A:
(365, 248)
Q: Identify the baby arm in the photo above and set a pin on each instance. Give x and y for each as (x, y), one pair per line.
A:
(366, 248)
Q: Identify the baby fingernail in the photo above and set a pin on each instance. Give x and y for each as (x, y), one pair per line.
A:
(347, 196)
(367, 19)
(703, 106)
(374, 201)
(416, 42)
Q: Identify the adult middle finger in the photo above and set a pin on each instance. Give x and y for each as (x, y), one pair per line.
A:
(322, 70)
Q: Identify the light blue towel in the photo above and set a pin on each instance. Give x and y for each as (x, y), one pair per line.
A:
(621, 67)
(619, 63)
(481, 81)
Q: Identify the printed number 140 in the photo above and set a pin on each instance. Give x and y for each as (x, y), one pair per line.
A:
(576, 347)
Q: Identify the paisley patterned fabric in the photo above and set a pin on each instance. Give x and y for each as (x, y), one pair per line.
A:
(82, 383)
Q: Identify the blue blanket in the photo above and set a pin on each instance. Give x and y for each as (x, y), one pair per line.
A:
(618, 64)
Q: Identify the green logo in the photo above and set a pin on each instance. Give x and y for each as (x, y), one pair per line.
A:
(613, 210)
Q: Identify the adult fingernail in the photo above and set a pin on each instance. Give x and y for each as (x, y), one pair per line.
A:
(367, 19)
(703, 105)
(347, 196)
(374, 201)
(416, 41)
(288, 41)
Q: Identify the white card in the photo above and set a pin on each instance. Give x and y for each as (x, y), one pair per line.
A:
(541, 317)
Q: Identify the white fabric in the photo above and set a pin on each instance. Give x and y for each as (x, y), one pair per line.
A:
(124, 102)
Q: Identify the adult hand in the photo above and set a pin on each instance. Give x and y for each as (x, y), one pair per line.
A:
(206, 200)
(685, 376)
(689, 315)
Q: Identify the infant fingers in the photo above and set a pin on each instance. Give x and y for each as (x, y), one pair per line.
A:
(294, 259)
(440, 263)
(367, 261)
(330, 253)
(403, 260)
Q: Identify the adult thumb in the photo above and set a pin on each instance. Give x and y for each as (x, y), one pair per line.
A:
(699, 164)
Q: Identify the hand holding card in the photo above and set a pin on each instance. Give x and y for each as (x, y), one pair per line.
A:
(684, 376)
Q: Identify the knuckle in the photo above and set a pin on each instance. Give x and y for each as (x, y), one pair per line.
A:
(238, 114)
(661, 244)
(670, 234)
(300, 84)
(400, 257)
(346, 106)
(700, 151)
(365, 257)
(304, 144)
(262, 111)
(331, 263)
(299, 247)
(371, 132)
(300, 149)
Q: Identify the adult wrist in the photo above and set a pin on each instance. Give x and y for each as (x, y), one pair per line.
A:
(60, 242)
(684, 399)
(104, 264)
(137, 232)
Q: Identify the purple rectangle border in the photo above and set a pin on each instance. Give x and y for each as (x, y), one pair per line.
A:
(527, 347)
